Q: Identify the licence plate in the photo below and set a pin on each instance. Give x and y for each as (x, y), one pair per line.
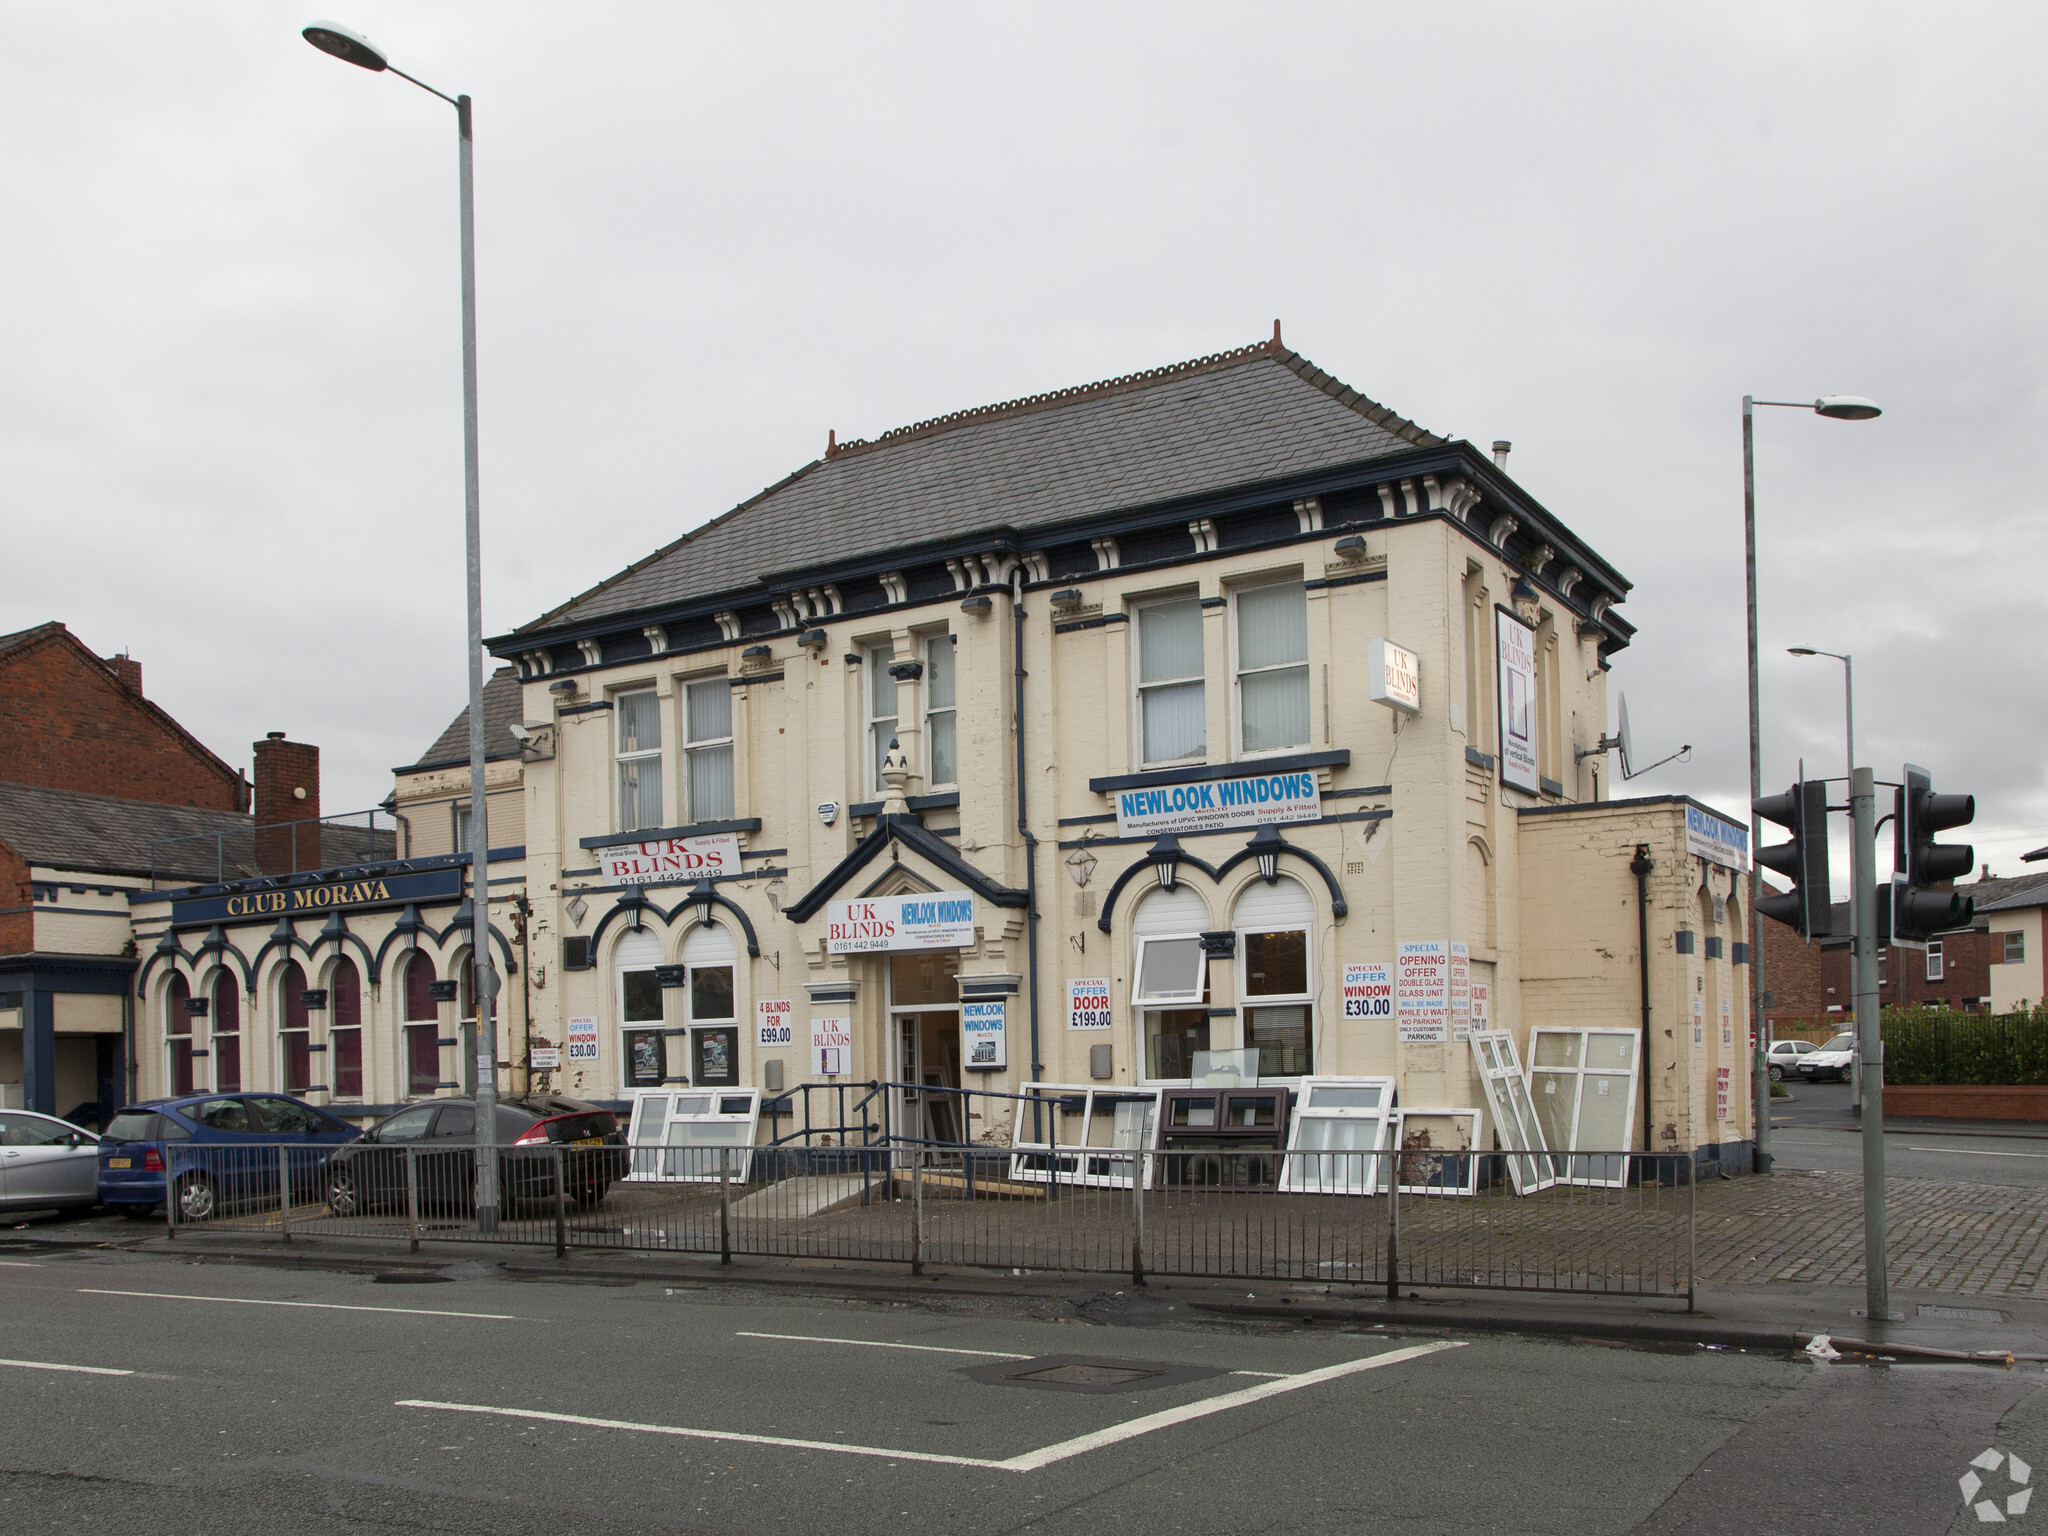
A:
(120, 1162)
(587, 1141)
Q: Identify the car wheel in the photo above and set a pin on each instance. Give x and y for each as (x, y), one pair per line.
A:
(195, 1198)
(1777, 1074)
(343, 1199)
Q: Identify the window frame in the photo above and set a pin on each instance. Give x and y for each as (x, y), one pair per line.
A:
(693, 748)
(1937, 963)
(178, 1032)
(629, 1029)
(876, 659)
(621, 757)
(1248, 1003)
(286, 1028)
(951, 711)
(1142, 1007)
(1238, 672)
(215, 1034)
(1139, 687)
(2012, 948)
(338, 1031)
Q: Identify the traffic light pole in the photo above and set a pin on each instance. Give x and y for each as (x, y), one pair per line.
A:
(1869, 1041)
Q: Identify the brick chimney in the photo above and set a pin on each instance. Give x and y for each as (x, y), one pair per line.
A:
(128, 669)
(287, 792)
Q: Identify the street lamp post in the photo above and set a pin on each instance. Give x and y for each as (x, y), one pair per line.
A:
(353, 48)
(1837, 408)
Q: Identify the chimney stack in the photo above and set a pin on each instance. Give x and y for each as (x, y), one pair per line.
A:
(126, 668)
(1500, 452)
(287, 794)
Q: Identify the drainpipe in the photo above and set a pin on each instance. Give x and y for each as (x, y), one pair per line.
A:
(1024, 825)
(1640, 866)
(525, 911)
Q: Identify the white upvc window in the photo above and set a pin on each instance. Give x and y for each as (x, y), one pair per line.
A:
(1272, 667)
(941, 733)
(1275, 970)
(1172, 707)
(707, 749)
(1934, 960)
(2012, 947)
(1170, 983)
(638, 714)
(643, 1037)
(881, 710)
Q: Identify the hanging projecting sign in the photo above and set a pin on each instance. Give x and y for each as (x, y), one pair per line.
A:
(981, 1026)
(1264, 799)
(1717, 841)
(1517, 701)
(670, 858)
(773, 1022)
(831, 1047)
(928, 920)
(1368, 992)
(1422, 992)
(1393, 676)
(1088, 1004)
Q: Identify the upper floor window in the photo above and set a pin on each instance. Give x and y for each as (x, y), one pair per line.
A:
(881, 703)
(2013, 947)
(707, 748)
(462, 824)
(1272, 667)
(1934, 961)
(639, 755)
(940, 732)
(1172, 711)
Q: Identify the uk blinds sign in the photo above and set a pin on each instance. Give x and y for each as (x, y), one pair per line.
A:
(927, 920)
(1264, 799)
(670, 859)
(1517, 683)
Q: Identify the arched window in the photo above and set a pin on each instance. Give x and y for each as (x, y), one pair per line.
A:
(422, 1028)
(1170, 981)
(1275, 978)
(345, 1029)
(227, 1033)
(643, 1048)
(177, 1036)
(294, 1030)
(714, 1030)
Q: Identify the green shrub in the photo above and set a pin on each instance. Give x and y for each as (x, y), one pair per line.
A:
(1941, 1045)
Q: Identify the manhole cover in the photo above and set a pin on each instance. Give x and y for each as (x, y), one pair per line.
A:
(1963, 1314)
(1086, 1375)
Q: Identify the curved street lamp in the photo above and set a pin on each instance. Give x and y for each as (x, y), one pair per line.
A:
(353, 48)
(1835, 408)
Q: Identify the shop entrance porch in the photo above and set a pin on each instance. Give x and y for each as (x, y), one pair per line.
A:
(924, 1027)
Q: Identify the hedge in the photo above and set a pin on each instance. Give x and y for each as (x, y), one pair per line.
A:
(1941, 1045)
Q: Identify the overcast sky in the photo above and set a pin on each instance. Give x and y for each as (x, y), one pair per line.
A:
(229, 395)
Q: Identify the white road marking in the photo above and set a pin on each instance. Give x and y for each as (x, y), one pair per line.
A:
(17, 1264)
(324, 1306)
(934, 1349)
(1975, 1152)
(83, 1370)
(1029, 1461)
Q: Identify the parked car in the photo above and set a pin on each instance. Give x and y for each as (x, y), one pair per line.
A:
(212, 1149)
(438, 1138)
(46, 1163)
(1783, 1057)
(1836, 1060)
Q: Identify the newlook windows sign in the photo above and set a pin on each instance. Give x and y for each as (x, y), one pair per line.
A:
(928, 920)
(1260, 800)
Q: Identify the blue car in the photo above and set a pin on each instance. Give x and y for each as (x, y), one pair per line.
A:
(214, 1150)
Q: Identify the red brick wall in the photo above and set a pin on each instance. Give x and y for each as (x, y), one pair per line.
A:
(17, 918)
(67, 722)
(287, 791)
(1792, 974)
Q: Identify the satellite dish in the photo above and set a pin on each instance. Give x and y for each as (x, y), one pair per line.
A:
(1623, 739)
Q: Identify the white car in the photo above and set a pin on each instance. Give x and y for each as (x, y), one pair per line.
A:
(1836, 1059)
(1783, 1057)
(46, 1163)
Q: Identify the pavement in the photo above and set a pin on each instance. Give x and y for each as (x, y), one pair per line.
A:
(152, 1392)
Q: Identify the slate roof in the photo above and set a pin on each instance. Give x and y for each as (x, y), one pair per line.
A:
(503, 708)
(69, 830)
(1238, 418)
(2008, 895)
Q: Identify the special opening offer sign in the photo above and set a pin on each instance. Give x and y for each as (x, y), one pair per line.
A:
(1422, 991)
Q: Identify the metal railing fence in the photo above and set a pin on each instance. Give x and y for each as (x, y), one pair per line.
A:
(1385, 1218)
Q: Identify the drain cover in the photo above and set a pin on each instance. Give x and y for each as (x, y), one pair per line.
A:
(1087, 1375)
(1084, 1373)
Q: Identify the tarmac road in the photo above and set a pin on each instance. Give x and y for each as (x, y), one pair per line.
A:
(220, 1400)
(1818, 1130)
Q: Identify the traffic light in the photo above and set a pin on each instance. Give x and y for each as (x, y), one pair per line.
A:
(1804, 861)
(1919, 863)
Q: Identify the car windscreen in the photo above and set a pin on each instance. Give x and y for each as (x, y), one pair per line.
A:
(1841, 1042)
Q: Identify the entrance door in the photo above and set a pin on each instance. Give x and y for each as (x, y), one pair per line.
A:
(924, 1014)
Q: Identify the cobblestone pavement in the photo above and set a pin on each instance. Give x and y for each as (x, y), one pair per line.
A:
(1807, 1227)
